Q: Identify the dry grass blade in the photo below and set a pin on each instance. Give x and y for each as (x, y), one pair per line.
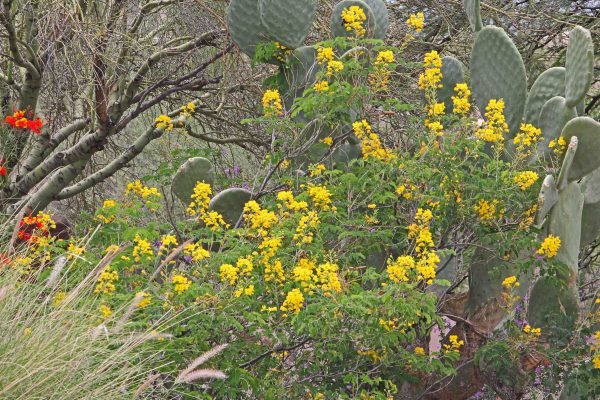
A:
(202, 374)
(199, 361)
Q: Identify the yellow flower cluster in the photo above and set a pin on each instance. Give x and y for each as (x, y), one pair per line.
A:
(398, 270)
(325, 55)
(320, 196)
(311, 277)
(196, 251)
(333, 67)
(142, 248)
(550, 246)
(535, 332)
(164, 122)
(139, 189)
(228, 273)
(454, 345)
(354, 19)
(59, 298)
(559, 145)
(488, 211)
(321, 86)
(274, 271)
(288, 200)
(187, 110)
(282, 52)
(180, 283)
(105, 310)
(380, 77)
(525, 179)
(436, 109)
(108, 207)
(316, 170)
(496, 125)
(461, 101)
(510, 282)
(328, 140)
(431, 78)
(167, 241)
(306, 226)
(249, 291)
(214, 220)
(527, 139)
(416, 21)
(106, 282)
(145, 299)
(75, 251)
(272, 104)
(371, 145)
(200, 199)
(427, 259)
(293, 301)
(260, 219)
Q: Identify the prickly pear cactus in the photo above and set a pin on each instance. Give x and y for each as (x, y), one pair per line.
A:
(590, 223)
(552, 119)
(338, 28)
(194, 170)
(302, 72)
(473, 11)
(230, 204)
(288, 21)
(244, 23)
(579, 65)
(498, 72)
(453, 72)
(549, 84)
(382, 20)
(586, 159)
(547, 198)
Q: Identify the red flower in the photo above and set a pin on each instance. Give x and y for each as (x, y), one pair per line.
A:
(35, 125)
(2, 171)
(10, 120)
(21, 123)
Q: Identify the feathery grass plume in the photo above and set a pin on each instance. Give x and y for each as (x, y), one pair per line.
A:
(188, 374)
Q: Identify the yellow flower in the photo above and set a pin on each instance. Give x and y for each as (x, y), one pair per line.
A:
(272, 104)
(108, 203)
(320, 196)
(325, 55)
(274, 272)
(328, 140)
(354, 18)
(59, 298)
(321, 86)
(260, 219)
(316, 170)
(164, 122)
(436, 109)
(249, 291)
(527, 138)
(559, 145)
(75, 251)
(532, 331)
(145, 299)
(525, 179)
(228, 273)
(188, 109)
(416, 21)
(106, 282)
(141, 249)
(435, 127)
(181, 283)
(293, 301)
(455, 344)
(496, 125)
(384, 57)
(141, 190)
(419, 351)
(371, 145)
(200, 199)
(196, 251)
(487, 211)
(432, 60)
(167, 241)
(306, 225)
(333, 67)
(214, 220)
(430, 79)
(105, 310)
(550, 246)
(398, 270)
(596, 361)
(461, 100)
(510, 282)
(290, 202)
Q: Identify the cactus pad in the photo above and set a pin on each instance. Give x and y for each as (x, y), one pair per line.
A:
(302, 71)
(587, 132)
(590, 223)
(473, 11)
(382, 19)
(579, 65)
(498, 72)
(547, 198)
(288, 21)
(549, 84)
(230, 204)
(552, 119)
(565, 222)
(337, 22)
(453, 72)
(194, 170)
(244, 23)
(553, 307)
